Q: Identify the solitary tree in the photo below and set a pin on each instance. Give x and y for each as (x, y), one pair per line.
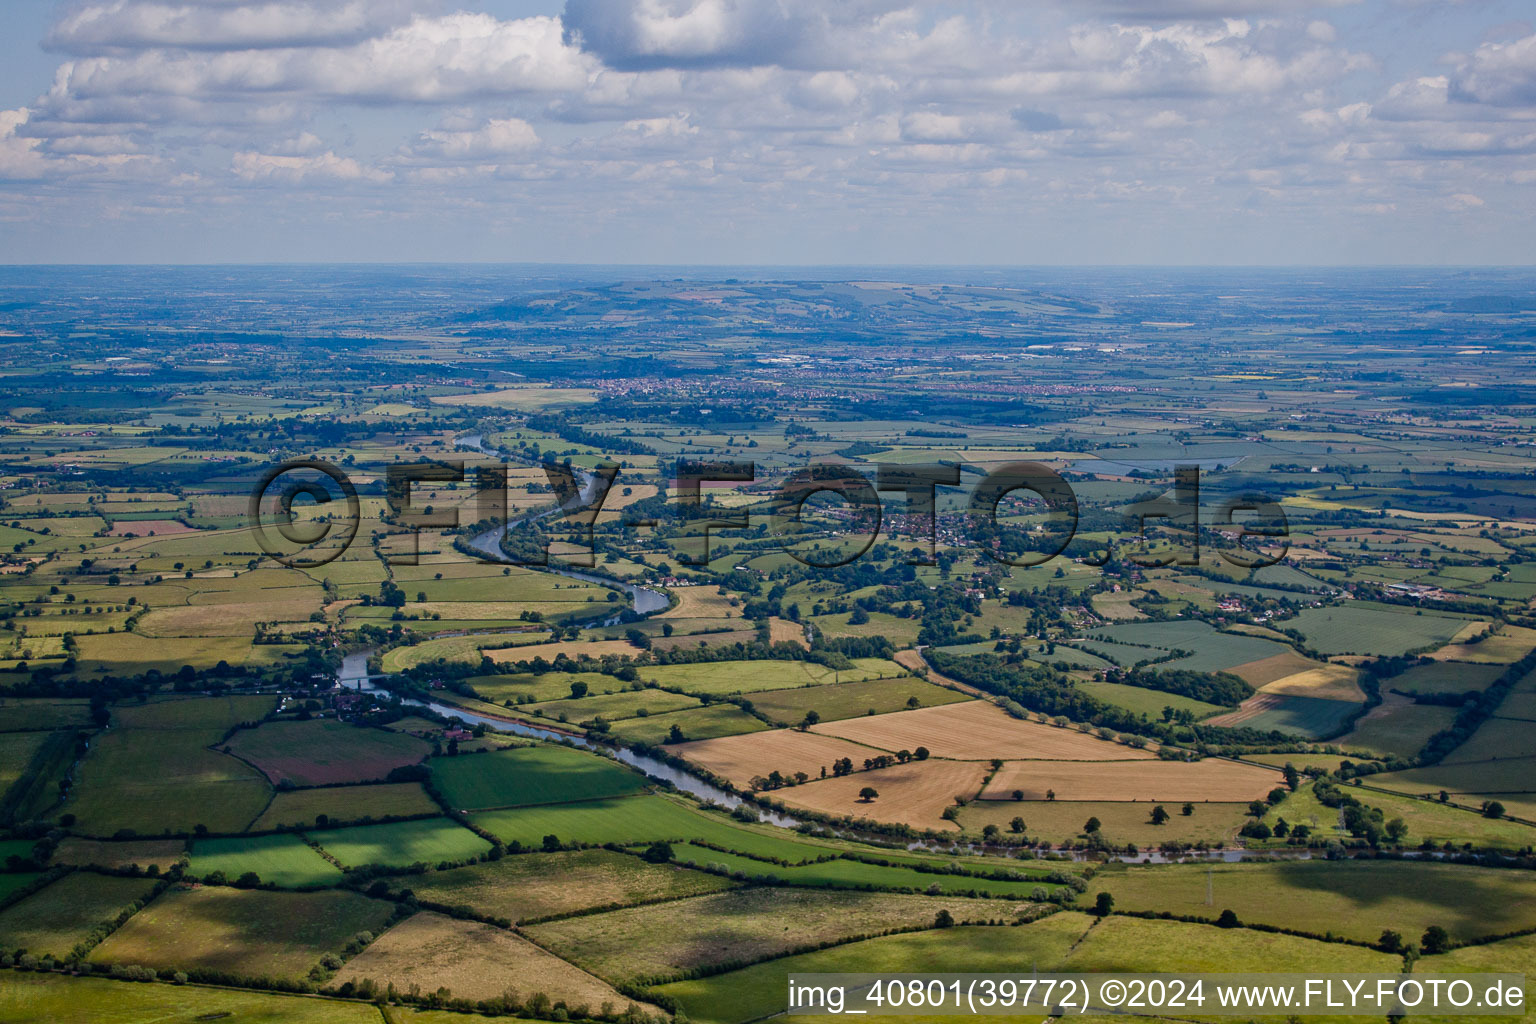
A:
(810, 719)
(658, 853)
(1390, 942)
(675, 735)
(1188, 810)
(578, 690)
(1159, 815)
(990, 833)
(868, 793)
(1228, 920)
(1091, 826)
(1018, 794)
(921, 753)
(944, 919)
(1493, 809)
(1435, 940)
(1016, 825)
(1103, 903)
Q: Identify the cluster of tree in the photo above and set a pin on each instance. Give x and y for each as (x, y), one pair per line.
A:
(1475, 712)
(1222, 688)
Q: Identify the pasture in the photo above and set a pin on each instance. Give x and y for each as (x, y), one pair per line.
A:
(754, 992)
(1353, 899)
(1397, 729)
(25, 998)
(613, 707)
(401, 843)
(639, 819)
(1143, 701)
(730, 677)
(154, 772)
(978, 731)
(537, 885)
(696, 724)
(345, 805)
(1361, 628)
(530, 775)
(844, 873)
(472, 961)
(324, 752)
(1308, 717)
(284, 860)
(746, 925)
(162, 853)
(833, 702)
(246, 932)
(52, 920)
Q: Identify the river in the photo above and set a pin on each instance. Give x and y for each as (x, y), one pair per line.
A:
(646, 601)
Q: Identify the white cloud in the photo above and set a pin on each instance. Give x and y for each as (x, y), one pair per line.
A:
(269, 168)
(498, 137)
(120, 25)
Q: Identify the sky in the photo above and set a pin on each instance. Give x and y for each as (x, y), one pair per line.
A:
(1042, 132)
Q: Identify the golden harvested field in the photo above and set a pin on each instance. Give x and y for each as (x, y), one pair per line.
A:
(473, 961)
(783, 631)
(1267, 670)
(1211, 779)
(591, 648)
(978, 731)
(702, 603)
(1118, 606)
(1509, 644)
(738, 758)
(1325, 682)
(913, 794)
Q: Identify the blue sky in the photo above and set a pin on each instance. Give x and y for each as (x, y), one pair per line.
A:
(769, 131)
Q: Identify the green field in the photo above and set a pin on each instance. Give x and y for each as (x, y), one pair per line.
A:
(537, 885)
(1066, 941)
(640, 819)
(848, 700)
(614, 706)
(1358, 628)
(283, 860)
(57, 917)
(1426, 819)
(530, 775)
(697, 724)
(324, 751)
(152, 771)
(1400, 731)
(853, 874)
(249, 933)
(1142, 701)
(20, 713)
(727, 677)
(1445, 677)
(730, 927)
(27, 998)
(1308, 717)
(1212, 651)
(1354, 899)
(346, 804)
(401, 843)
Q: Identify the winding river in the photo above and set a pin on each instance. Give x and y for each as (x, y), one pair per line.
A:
(646, 601)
